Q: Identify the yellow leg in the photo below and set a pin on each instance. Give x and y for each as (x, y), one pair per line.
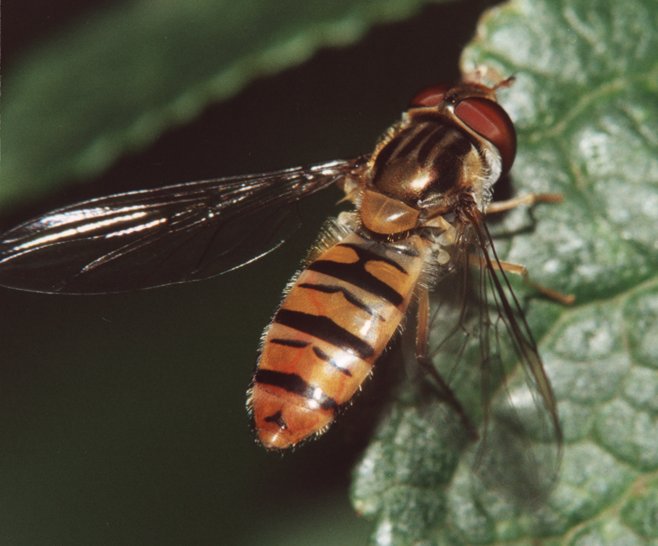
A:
(518, 269)
(522, 271)
(528, 200)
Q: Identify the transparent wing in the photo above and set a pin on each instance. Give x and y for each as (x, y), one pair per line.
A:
(483, 348)
(162, 236)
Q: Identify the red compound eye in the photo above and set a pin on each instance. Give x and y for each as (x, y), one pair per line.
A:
(488, 119)
(430, 96)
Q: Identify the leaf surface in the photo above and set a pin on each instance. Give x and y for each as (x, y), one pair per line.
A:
(116, 80)
(584, 103)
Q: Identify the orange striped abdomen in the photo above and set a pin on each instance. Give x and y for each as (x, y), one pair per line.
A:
(334, 323)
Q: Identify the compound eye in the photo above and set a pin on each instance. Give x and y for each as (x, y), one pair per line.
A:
(488, 119)
(430, 96)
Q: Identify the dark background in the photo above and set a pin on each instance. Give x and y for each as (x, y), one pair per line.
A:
(122, 417)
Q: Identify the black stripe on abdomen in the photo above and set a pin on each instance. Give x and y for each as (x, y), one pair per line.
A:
(296, 343)
(367, 255)
(333, 289)
(324, 356)
(325, 329)
(356, 274)
(292, 383)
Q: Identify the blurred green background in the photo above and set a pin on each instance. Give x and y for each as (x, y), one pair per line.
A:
(122, 417)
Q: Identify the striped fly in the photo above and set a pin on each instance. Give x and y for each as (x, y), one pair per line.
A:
(418, 204)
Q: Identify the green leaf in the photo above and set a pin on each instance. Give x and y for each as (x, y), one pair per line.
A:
(584, 103)
(114, 83)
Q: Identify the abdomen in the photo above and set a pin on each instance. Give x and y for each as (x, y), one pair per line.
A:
(333, 324)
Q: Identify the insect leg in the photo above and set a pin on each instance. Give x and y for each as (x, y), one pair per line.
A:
(528, 200)
(425, 361)
(518, 269)
(522, 271)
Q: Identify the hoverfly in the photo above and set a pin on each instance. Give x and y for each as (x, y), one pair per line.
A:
(418, 215)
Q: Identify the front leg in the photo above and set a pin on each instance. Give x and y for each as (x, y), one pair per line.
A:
(522, 271)
(528, 199)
